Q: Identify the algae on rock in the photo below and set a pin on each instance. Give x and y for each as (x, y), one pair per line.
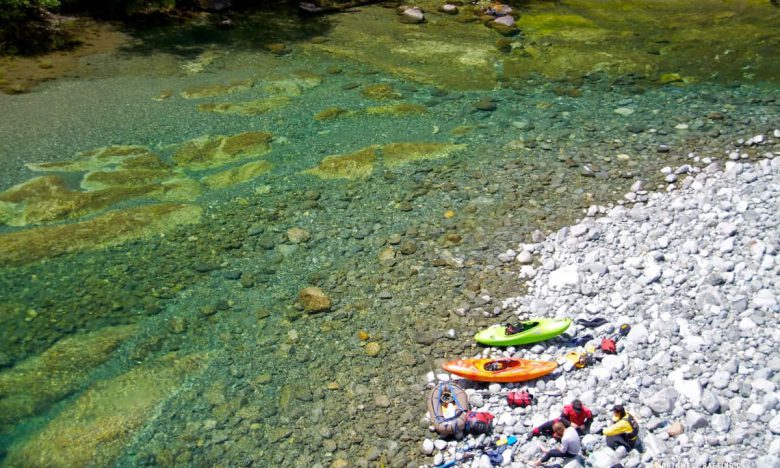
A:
(95, 428)
(112, 228)
(398, 110)
(248, 108)
(237, 175)
(46, 198)
(396, 154)
(208, 152)
(40, 381)
(100, 180)
(127, 156)
(446, 53)
(204, 91)
(357, 165)
(360, 164)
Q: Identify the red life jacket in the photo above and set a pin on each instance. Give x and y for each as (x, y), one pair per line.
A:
(519, 398)
(478, 422)
(575, 417)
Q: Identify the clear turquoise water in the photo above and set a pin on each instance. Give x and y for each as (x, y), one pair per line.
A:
(272, 384)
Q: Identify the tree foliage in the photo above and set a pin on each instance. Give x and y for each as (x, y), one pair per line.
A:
(12, 10)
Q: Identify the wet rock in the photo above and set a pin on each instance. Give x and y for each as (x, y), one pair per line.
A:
(214, 151)
(449, 9)
(504, 25)
(232, 275)
(504, 45)
(278, 48)
(38, 382)
(424, 338)
(112, 228)
(485, 105)
(247, 281)
(97, 426)
(387, 254)
(177, 325)
(237, 175)
(373, 348)
(298, 236)
(314, 299)
(408, 247)
(205, 267)
(412, 16)
(266, 242)
(5, 360)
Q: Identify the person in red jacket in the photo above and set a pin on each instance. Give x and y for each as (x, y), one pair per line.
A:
(579, 416)
(576, 415)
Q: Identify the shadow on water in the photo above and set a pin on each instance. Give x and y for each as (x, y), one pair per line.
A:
(250, 30)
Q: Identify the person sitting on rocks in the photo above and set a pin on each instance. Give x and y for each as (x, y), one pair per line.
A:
(546, 429)
(576, 415)
(579, 415)
(570, 444)
(625, 431)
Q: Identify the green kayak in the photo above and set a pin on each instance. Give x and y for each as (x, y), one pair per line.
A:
(529, 331)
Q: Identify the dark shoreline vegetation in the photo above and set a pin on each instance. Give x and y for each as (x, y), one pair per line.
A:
(30, 27)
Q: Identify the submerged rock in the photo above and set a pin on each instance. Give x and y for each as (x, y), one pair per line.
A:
(95, 428)
(112, 228)
(248, 108)
(314, 299)
(128, 157)
(380, 92)
(331, 113)
(394, 110)
(237, 175)
(38, 382)
(204, 91)
(402, 109)
(278, 48)
(412, 16)
(396, 154)
(504, 25)
(207, 151)
(449, 9)
(357, 165)
(297, 235)
(100, 180)
(43, 199)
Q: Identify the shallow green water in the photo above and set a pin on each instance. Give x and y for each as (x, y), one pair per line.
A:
(213, 369)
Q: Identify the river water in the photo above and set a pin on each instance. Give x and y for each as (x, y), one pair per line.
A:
(165, 210)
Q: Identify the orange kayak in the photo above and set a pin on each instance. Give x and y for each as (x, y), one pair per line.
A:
(499, 370)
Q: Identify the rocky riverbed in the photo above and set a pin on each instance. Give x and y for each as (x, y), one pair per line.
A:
(693, 267)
